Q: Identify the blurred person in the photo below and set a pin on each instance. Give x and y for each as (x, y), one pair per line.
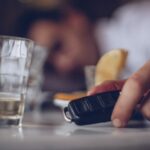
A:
(71, 47)
(69, 34)
(44, 27)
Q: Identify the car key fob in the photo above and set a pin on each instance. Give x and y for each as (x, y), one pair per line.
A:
(93, 109)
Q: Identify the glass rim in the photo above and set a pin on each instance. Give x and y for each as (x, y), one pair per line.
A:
(15, 38)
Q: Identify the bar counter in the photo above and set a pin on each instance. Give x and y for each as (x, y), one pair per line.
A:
(48, 131)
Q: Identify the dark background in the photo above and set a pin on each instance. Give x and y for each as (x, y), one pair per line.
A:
(11, 10)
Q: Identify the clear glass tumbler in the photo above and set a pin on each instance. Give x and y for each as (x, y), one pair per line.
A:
(15, 60)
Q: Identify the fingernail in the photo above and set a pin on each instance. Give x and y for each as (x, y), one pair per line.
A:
(118, 123)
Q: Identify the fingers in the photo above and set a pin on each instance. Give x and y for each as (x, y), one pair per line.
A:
(107, 86)
(133, 90)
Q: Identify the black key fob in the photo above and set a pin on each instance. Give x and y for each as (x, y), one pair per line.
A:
(92, 109)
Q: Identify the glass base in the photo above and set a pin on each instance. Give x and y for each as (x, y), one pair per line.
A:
(10, 122)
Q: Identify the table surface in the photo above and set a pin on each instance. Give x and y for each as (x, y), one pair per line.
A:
(47, 131)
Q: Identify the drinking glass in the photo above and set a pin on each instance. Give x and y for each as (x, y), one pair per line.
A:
(15, 60)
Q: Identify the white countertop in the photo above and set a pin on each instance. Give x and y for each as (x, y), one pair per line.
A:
(49, 131)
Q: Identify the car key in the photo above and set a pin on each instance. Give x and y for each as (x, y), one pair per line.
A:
(93, 109)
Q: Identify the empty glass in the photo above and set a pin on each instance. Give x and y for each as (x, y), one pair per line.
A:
(15, 60)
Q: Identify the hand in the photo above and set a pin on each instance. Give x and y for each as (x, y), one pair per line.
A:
(133, 89)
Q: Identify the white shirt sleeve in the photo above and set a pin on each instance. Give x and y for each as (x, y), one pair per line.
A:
(130, 29)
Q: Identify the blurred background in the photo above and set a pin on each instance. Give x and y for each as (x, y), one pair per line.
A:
(44, 21)
(10, 10)
(66, 29)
